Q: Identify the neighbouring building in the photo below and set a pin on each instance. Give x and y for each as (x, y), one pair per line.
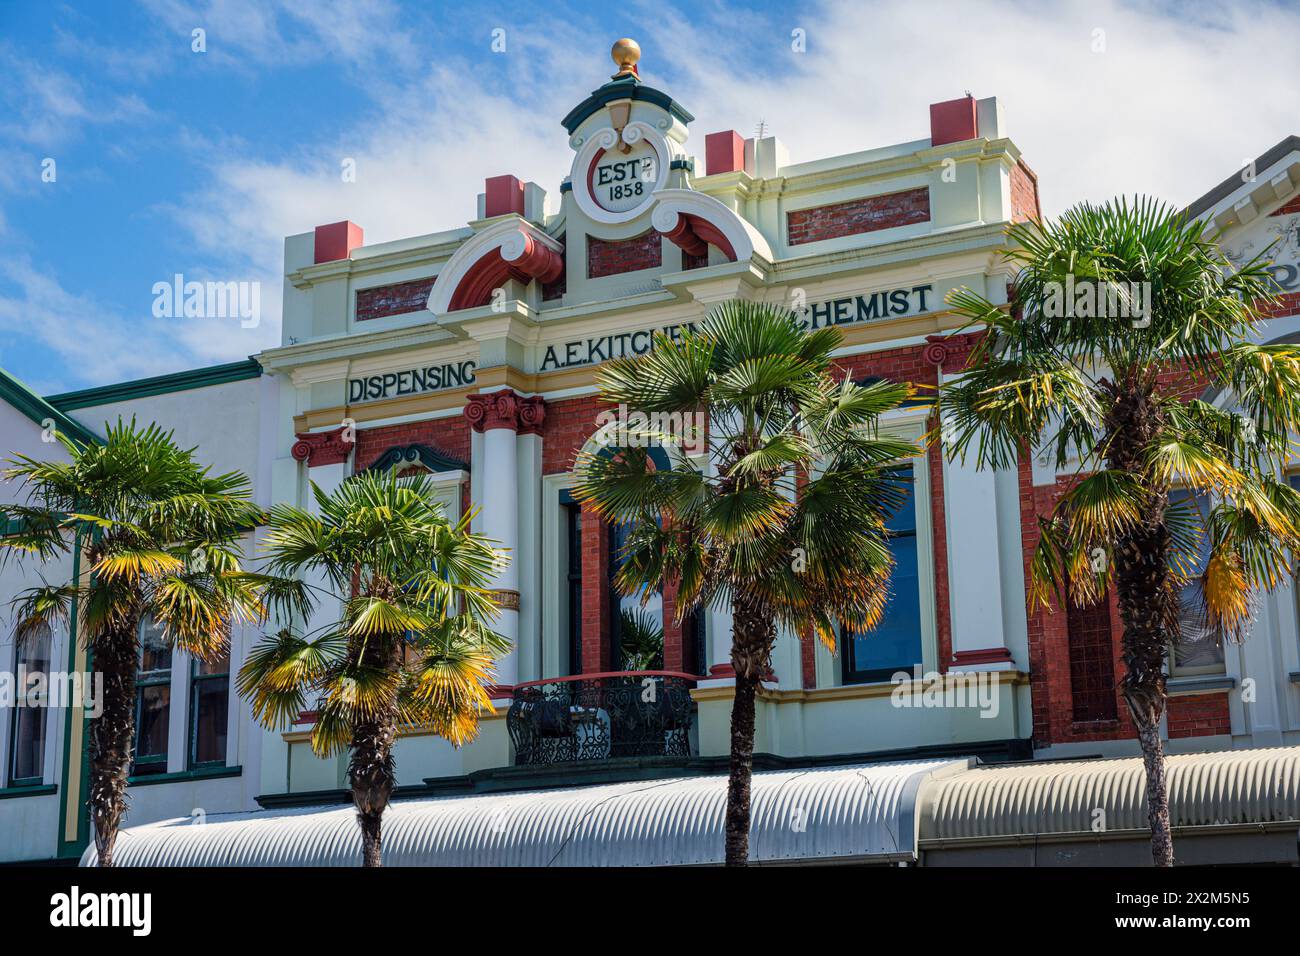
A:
(471, 353)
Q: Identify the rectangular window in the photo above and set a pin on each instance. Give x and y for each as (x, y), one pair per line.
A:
(153, 688)
(1199, 649)
(895, 643)
(27, 729)
(1092, 661)
(209, 705)
(573, 518)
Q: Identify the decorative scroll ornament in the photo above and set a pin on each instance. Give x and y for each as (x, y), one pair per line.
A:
(323, 448)
(950, 352)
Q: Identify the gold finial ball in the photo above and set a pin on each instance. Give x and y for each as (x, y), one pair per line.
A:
(626, 52)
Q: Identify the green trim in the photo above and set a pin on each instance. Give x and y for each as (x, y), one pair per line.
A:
(157, 385)
(40, 410)
(199, 773)
(626, 88)
(28, 790)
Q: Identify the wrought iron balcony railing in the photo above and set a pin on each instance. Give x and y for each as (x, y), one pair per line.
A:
(602, 716)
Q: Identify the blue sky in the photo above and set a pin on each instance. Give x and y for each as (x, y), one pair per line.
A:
(170, 161)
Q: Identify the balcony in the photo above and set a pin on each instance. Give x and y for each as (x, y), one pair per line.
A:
(602, 717)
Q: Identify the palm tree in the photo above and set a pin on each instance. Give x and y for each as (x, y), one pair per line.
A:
(411, 646)
(1116, 312)
(160, 536)
(641, 639)
(787, 528)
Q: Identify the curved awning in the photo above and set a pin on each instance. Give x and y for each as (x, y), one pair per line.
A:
(863, 813)
(1058, 807)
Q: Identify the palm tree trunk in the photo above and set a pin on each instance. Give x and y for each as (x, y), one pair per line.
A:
(1145, 600)
(373, 774)
(1146, 716)
(741, 771)
(753, 634)
(112, 735)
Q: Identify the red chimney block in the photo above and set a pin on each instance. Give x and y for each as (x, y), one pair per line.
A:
(953, 121)
(502, 195)
(337, 240)
(724, 152)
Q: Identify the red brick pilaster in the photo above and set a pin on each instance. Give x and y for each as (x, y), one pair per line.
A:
(596, 598)
(674, 646)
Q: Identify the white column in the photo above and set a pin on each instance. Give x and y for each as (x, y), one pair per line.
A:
(529, 556)
(974, 569)
(977, 596)
(500, 516)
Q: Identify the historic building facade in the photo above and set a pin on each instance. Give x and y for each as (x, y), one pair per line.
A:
(471, 353)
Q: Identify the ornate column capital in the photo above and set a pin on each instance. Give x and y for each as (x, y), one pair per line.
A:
(323, 448)
(505, 409)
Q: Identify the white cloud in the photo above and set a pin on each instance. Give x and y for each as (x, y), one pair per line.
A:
(1171, 107)
(39, 316)
(1180, 97)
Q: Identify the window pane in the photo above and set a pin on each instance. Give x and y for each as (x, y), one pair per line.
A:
(642, 647)
(220, 665)
(211, 698)
(153, 722)
(1199, 645)
(27, 756)
(895, 643)
(34, 654)
(155, 652)
(574, 514)
(29, 744)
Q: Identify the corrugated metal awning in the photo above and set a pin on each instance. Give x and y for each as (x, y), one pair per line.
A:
(1220, 789)
(861, 813)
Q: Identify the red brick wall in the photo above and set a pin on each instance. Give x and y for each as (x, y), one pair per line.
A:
(1287, 304)
(858, 216)
(569, 423)
(1052, 695)
(606, 257)
(394, 299)
(1024, 194)
(1198, 715)
(1051, 682)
